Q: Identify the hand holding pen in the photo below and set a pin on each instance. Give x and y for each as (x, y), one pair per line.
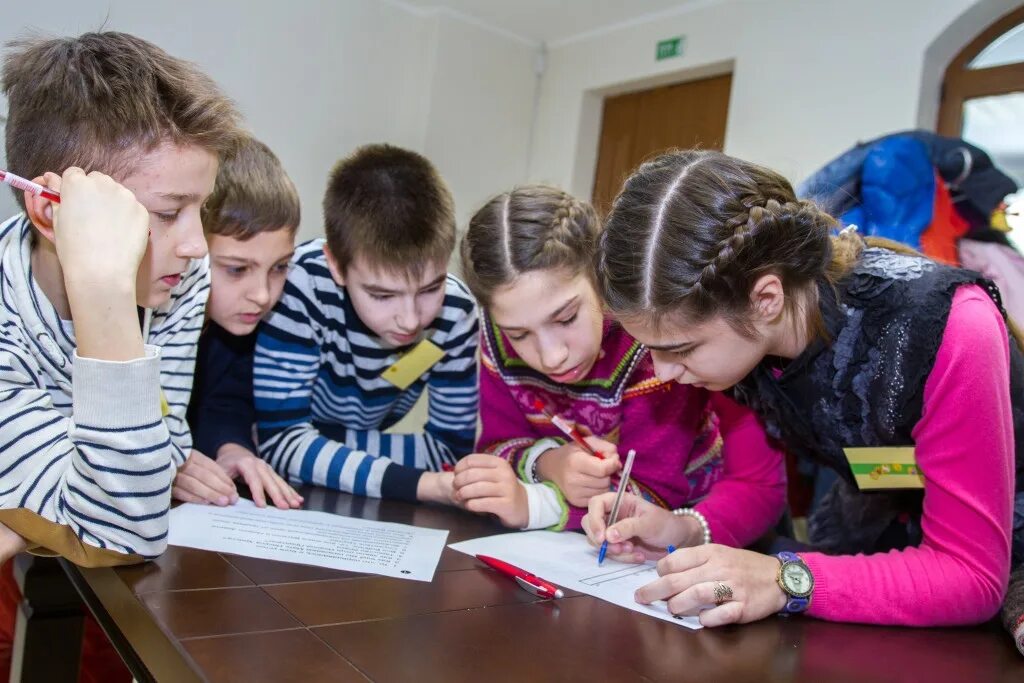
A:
(580, 469)
(613, 515)
(643, 531)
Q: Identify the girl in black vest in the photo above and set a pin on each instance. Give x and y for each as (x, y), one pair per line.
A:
(897, 373)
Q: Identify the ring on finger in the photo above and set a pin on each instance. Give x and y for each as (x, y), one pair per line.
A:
(723, 593)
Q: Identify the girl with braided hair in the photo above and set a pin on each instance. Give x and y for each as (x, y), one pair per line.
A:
(547, 349)
(840, 346)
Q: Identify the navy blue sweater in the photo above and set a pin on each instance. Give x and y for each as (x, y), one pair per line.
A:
(221, 409)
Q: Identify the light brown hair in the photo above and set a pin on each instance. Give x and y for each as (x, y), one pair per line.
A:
(253, 194)
(390, 206)
(692, 231)
(102, 100)
(534, 227)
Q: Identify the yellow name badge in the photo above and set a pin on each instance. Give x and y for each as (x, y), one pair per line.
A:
(890, 467)
(165, 407)
(411, 366)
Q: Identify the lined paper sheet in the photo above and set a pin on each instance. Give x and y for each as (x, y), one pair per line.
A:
(566, 559)
(309, 537)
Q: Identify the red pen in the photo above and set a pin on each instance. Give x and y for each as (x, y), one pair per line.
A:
(567, 428)
(527, 581)
(28, 186)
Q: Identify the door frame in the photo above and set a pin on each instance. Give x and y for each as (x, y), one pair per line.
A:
(960, 83)
(592, 109)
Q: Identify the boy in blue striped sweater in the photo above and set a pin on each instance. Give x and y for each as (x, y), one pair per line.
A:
(376, 291)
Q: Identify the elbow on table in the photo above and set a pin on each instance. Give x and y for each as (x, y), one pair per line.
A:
(983, 600)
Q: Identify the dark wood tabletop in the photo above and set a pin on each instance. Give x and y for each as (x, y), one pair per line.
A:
(194, 615)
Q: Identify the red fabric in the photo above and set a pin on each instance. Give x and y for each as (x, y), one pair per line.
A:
(939, 240)
(99, 663)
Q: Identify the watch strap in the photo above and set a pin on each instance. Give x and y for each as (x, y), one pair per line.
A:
(795, 604)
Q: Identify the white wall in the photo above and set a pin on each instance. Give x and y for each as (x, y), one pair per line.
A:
(314, 79)
(478, 121)
(810, 78)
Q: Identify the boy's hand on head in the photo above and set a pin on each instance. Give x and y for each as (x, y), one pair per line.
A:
(579, 475)
(201, 480)
(101, 231)
(487, 484)
(643, 529)
(258, 475)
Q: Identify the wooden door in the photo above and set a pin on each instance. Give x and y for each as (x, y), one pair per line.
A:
(638, 125)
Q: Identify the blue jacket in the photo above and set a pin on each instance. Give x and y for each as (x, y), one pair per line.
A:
(897, 192)
(880, 174)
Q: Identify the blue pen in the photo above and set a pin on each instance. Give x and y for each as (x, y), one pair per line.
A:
(671, 549)
(623, 482)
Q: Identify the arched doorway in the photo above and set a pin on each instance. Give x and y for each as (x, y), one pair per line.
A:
(983, 93)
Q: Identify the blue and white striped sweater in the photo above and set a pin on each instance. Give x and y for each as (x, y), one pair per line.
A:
(322, 406)
(83, 444)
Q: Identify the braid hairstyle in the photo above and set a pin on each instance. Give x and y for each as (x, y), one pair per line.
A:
(692, 231)
(534, 227)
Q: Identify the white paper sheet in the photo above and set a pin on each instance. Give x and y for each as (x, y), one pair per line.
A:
(567, 560)
(308, 537)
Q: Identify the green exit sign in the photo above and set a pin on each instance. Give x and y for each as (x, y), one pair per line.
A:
(669, 48)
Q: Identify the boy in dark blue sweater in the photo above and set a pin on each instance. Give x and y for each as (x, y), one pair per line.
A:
(250, 222)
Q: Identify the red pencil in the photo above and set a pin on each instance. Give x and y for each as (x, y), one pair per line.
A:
(28, 186)
(567, 428)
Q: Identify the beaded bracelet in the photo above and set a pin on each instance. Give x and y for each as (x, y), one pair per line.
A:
(533, 470)
(690, 512)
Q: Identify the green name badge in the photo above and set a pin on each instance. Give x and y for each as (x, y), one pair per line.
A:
(889, 467)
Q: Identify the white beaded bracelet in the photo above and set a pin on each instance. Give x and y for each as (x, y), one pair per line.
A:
(690, 512)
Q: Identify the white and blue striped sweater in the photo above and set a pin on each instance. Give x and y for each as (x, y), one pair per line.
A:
(322, 406)
(86, 456)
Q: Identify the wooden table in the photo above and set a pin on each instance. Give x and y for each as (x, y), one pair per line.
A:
(195, 615)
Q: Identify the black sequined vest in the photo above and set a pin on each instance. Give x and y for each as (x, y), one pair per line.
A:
(864, 386)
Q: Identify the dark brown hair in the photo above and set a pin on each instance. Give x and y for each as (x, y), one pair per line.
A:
(102, 100)
(253, 194)
(692, 231)
(530, 228)
(391, 207)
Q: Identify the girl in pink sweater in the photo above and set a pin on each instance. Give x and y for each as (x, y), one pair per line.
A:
(548, 350)
(841, 348)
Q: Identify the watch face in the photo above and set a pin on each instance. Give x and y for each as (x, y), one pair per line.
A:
(797, 579)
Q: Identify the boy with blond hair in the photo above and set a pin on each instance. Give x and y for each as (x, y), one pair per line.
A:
(370, 318)
(102, 295)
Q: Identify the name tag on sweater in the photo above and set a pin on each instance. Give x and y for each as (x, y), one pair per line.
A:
(889, 467)
(411, 366)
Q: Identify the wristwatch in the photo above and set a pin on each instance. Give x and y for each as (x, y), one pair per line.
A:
(796, 581)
